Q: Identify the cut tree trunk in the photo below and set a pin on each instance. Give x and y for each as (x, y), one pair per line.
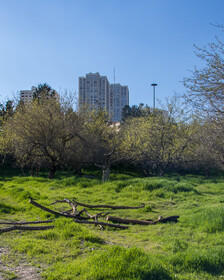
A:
(128, 221)
(173, 219)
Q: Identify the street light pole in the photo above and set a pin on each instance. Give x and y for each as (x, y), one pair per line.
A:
(154, 96)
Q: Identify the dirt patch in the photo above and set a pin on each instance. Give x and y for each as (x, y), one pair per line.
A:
(22, 271)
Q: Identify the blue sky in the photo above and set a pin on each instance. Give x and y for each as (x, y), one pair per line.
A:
(146, 41)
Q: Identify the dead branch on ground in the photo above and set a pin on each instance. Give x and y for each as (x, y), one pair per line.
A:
(100, 224)
(55, 212)
(25, 223)
(173, 219)
(25, 228)
(108, 206)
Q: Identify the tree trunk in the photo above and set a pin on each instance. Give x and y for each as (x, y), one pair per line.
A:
(78, 171)
(207, 173)
(106, 167)
(106, 174)
(52, 172)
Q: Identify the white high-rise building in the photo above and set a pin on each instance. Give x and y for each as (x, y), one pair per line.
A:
(95, 92)
(119, 97)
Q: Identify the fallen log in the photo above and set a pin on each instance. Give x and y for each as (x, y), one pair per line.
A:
(25, 223)
(173, 219)
(55, 212)
(142, 222)
(25, 228)
(100, 224)
(128, 221)
(107, 206)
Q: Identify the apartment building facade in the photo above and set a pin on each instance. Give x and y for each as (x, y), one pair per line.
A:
(27, 95)
(95, 92)
(118, 98)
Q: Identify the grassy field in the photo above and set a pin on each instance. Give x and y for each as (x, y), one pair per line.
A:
(193, 248)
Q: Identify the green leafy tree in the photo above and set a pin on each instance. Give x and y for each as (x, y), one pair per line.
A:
(102, 141)
(135, 111)
(6, 111)
(44, 134)
(157, 142)
(43, 92)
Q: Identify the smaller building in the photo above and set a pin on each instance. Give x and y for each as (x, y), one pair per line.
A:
(27, 95)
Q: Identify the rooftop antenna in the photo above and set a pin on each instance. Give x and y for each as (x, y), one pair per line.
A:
(114, 75)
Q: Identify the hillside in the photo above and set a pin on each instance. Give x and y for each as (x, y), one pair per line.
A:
(193, 248)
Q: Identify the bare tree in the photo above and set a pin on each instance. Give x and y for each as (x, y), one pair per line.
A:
(205, 87)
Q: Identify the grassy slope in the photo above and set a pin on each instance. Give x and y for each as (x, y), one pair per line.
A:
(190, 249)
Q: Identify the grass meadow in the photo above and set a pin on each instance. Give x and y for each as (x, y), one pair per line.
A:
(193, 248)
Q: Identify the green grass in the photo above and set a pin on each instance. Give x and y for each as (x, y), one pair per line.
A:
(190, 249)
(8, 275)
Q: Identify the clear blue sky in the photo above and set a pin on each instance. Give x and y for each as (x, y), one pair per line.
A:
(56, 41)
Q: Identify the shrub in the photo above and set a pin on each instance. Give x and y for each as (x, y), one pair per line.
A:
(181, 187)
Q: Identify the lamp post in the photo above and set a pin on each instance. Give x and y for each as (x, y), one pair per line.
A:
(154, 96)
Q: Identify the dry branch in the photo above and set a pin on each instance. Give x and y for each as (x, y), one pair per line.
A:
(142, 222)
(128, 221)
(25, 223)
(108, 206)
(100, 224)
(95, 216)
(74, 206)
(54, 212)
(25, 228)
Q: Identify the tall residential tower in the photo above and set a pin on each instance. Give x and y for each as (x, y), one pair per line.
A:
(95, 93)
(118, 98)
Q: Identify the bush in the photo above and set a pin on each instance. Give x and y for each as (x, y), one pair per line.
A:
(181, 187)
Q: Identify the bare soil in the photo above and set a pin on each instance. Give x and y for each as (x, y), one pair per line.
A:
(22, 270)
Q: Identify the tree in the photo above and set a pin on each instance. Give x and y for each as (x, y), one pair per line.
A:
(102, 141)
(205, 93)
(157, 142)
(205, 88)
(204, 154)
(44, 134)
(135, 111)
(43, 92)
(6, 111)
